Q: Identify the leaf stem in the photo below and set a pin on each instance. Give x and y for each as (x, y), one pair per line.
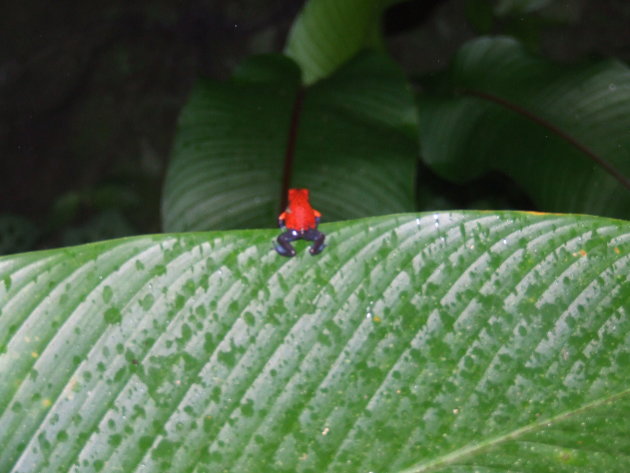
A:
(289, 155)
(609, 168)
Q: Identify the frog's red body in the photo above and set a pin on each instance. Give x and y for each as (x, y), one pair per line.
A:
(300, 221)
(299, 215)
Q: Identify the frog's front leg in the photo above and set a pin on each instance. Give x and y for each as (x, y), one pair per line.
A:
(317, 238)
(284, 246)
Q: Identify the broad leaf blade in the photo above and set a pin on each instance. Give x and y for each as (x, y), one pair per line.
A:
(454, 342)
(356, 146)
(227, 159)
(327, 33)
(467, 134)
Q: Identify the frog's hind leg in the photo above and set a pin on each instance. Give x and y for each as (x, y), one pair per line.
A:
(284, 247)
(317, 238)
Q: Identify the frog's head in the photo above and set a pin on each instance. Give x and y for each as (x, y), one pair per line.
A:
(298, 195)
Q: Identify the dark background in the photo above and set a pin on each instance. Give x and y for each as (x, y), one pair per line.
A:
(90, 91)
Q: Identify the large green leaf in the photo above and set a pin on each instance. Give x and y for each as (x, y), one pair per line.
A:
(356, 145)
(226, 167)
(327, 33)
(455, 342)
(560, 132)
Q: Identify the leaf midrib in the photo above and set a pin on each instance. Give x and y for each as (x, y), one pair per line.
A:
(585, 150)
(469, 451)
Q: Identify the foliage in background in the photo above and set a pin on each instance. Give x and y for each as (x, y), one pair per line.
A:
(355, 133)
(560, 132)
(556, 131)
(321, 34)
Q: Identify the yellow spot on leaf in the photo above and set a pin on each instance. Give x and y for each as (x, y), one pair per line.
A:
(376, 319)
(46, 402)
(34, 354)
(565, 456)
(72, 385)
(533, 212)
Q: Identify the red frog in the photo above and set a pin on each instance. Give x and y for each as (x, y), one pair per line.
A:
(300, 221)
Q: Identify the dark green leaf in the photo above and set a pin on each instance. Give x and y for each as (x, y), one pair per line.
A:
(227, 162)
(328, 33)
(356, 146)
(16, 234)
(560, 132)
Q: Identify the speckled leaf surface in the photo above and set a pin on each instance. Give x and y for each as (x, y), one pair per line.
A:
(464, 134)
(454, 342)
(356, 145)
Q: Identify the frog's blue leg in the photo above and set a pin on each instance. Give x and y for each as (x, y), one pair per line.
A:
(284, 246)
(317, 238)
